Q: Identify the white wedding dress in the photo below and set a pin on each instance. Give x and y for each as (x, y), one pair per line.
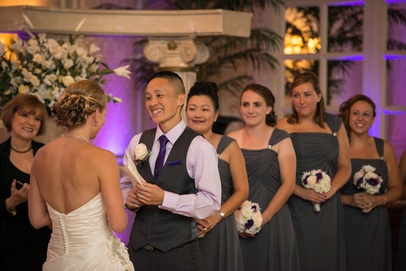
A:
(82, 240)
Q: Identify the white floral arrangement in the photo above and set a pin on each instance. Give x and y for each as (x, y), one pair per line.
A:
(369, 179)
(141, 154)
(248, 217)
(319, 181)
(45, 67)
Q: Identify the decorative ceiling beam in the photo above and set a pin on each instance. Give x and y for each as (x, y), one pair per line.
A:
(156, 23)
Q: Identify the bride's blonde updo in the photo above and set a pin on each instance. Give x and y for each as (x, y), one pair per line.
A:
(77, 102)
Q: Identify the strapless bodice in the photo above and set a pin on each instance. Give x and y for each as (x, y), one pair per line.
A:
(82, 240)
(88, 222)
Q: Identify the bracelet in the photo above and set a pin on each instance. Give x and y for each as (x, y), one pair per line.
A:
(384, 201)
(334, 189)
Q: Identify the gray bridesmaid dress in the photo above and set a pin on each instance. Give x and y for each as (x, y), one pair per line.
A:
(274, 247)
(220, 247)
(320, 235)
(367, 235)
(401, 259)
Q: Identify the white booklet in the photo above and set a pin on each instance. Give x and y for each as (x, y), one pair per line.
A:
(131, 170)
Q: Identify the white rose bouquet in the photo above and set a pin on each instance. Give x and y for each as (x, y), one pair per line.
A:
(141, 154)
(45, 67)
(248, 217)
(317, 180)
(369, 179)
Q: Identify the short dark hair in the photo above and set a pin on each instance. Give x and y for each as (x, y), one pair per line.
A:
(170, 76)
(26, 103)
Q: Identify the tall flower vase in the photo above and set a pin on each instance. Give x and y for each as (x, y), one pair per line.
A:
(52, 131)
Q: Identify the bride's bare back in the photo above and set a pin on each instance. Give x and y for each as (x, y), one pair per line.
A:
(70, 172)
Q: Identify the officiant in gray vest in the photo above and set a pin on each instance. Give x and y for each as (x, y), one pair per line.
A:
(181, 183)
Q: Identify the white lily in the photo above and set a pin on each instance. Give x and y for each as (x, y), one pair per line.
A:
(110, 97)
(123, 71)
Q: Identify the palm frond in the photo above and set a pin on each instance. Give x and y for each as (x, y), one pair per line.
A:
(235, 85)
(395, 45)
(397, 16)
(345, 28)
(246, 5)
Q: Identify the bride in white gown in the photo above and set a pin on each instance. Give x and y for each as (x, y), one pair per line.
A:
(75, 188)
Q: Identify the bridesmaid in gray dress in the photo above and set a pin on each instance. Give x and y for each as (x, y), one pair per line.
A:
(218, 241)
(270, 161)
(401, 259)
(320, 142)
(367, 228)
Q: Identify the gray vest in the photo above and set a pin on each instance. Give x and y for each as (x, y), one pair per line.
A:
(157, 227)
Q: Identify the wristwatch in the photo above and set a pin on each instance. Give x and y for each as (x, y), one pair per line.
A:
(222, 214)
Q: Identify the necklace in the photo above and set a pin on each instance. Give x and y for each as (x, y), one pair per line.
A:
(75, 136)
(17, 151)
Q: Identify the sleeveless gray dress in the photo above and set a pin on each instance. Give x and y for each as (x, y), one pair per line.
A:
(220, 247)
(367, 235)
(401, 259)
(274, 247)
(320, 236)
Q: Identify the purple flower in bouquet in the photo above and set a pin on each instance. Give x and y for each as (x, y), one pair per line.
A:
(248, 217)
(369, 179)
(317, 180)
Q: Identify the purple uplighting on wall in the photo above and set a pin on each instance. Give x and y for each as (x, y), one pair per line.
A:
(392, 56)
(125, 119)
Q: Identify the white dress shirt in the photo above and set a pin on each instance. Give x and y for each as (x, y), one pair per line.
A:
(201, 165)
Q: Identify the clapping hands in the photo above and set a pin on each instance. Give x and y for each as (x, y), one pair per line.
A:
(17, 196)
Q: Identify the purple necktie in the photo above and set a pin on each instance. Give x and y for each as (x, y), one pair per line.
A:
(159, 163)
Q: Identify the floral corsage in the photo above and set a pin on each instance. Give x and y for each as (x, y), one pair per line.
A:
(317, 180)
(368, 179)
(141, 154)
(248, 217)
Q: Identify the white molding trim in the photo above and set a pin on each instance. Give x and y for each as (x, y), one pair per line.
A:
(126, 22)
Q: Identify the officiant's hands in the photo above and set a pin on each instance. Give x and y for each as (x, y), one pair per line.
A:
(150, 194)
(132, 201)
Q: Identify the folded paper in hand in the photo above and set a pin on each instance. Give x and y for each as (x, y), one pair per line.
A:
(131, 170)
